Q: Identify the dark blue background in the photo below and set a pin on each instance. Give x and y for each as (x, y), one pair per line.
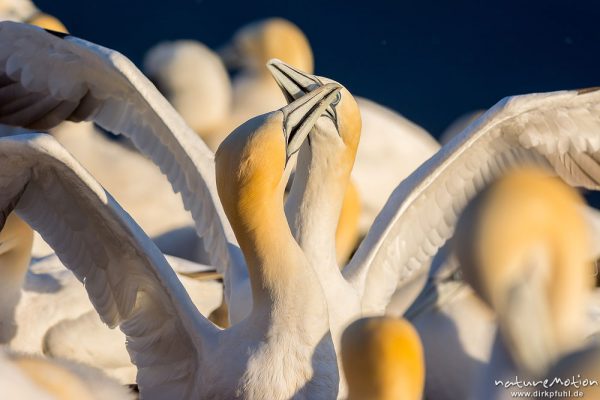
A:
(431, 61)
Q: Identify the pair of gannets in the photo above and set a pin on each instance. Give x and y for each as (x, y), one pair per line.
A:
(399, 243)
(524, 247)
(391, 146)
(27, 377)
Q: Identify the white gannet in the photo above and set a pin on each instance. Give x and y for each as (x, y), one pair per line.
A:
(283, 349)
(383, 360)
(555, 130)
(523, 246)
(27, 377)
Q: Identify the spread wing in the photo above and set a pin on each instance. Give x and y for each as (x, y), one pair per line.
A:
(126, 277)
(559, 131)
(46, 79)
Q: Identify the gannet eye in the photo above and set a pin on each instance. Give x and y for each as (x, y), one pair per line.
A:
(338, 97)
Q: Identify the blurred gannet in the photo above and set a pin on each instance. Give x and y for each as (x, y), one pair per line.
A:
(524, 247)
(383, 360)
(282, 349)
(27, 377)
(254, 91)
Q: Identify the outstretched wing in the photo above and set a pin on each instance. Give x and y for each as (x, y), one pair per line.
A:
(559, 131)
(46, 79)
(127, 279)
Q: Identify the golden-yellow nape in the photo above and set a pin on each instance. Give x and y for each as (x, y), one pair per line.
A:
(256, 43)
(523, 245)
(383, 360)
(46, 21)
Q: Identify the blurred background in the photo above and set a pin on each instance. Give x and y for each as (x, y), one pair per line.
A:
(430, 61)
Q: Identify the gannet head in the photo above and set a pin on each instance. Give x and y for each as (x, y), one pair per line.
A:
(383, 360)
(255, 44)
(194, 80)
(251, 162)
(340, 126)
(524, 247)
(47, 21)
(16, 240)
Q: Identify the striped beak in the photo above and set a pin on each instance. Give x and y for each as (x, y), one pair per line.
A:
(294, 84)
(302, 114)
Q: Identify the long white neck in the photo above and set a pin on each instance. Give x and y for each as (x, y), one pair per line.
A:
(314, 204)
(16, 240)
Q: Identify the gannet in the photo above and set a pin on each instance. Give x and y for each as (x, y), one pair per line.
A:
(283, 349)
(383, 360)
(556, 131)
(523, 246)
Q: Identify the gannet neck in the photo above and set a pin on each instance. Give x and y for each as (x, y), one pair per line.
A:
(251, 167)
(322, 178)
(16, 240)
(383, 360)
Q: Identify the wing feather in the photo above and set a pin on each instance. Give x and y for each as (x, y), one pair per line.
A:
(559, 131)
(74, 79)
(126, 277)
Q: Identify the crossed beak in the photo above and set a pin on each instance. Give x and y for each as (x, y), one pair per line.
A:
(302, 114)
(295, 84)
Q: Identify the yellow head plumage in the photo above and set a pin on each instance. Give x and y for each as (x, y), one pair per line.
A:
(383, 360)
(260, 41)
(46, 21)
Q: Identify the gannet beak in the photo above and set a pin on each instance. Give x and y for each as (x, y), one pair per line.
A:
(295, 84)
(300, 115)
